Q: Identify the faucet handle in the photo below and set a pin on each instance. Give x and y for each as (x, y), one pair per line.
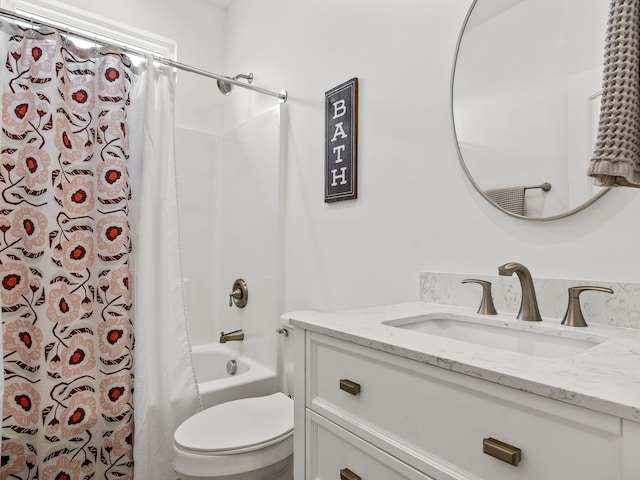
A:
(486, 304)
(573, 316)
(239, 294)
(236, 294)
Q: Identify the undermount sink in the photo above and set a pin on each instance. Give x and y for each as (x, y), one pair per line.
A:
(500, 337)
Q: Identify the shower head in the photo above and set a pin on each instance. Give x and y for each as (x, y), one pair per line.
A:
(225, 87)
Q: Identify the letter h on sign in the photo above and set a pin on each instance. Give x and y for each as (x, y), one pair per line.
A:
(341, 142)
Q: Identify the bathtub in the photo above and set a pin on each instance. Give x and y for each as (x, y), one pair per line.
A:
(217, 386)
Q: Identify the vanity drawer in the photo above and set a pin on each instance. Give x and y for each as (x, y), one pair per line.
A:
(436, 420)
(335, 454)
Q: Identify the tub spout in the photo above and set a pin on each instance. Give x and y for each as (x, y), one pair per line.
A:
(235, 336)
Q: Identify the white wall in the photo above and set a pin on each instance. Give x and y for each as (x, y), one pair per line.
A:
(247, 239)
(196, 157)
(416, 211)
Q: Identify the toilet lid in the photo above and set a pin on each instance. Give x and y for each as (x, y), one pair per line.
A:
(238, 426)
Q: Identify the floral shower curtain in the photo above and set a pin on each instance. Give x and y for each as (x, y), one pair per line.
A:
(65, 261)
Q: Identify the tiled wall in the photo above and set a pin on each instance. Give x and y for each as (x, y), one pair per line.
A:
(622, 308)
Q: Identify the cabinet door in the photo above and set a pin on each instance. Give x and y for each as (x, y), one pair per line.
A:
(335, 454)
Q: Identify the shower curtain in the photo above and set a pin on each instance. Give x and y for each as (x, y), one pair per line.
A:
(68, 146)
(166, 390)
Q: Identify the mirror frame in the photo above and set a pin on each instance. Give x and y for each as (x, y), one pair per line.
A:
(568, 213)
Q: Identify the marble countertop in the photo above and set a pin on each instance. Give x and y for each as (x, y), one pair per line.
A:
(604, 377)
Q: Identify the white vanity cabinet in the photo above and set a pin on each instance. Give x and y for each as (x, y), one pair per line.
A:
(366, 414)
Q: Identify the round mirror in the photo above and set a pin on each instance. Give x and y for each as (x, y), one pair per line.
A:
(525, 102)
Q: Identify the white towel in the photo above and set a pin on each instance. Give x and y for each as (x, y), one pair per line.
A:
(511, 199)
(616, 157)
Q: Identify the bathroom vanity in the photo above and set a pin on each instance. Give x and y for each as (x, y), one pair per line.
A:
(428, 391)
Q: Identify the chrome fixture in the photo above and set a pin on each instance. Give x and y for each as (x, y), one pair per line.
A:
(235, 336)
(232, 367)
(239, 294)
(226, 87)
(573, 316)
(283, 331)
(486, 304)
(528, 304)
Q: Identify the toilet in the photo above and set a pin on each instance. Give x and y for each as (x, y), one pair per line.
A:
(245, 439)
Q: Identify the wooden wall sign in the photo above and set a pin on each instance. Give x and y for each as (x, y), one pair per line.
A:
(341, 142)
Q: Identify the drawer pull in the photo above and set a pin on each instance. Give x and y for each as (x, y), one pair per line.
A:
(502, 451)
(346, 474)
(350, 387)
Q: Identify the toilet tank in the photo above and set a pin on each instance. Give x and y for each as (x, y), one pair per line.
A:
(285, 349)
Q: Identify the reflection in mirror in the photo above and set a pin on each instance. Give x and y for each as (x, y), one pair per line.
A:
(525, 102)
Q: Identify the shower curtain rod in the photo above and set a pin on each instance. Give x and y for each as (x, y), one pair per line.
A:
(282, 95)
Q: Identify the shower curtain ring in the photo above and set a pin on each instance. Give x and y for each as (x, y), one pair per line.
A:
(32, 30)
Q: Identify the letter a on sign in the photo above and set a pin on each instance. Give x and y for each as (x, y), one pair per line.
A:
(341, 142)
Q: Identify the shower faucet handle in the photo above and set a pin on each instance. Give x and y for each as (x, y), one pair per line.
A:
(239, 294)
(486, 304)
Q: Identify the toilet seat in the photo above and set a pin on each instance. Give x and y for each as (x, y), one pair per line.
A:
(235, 437)
(239, 426)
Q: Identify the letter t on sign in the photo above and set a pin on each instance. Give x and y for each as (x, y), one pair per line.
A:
(341, 142)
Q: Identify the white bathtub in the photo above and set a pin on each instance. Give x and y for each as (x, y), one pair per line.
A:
(217, 386)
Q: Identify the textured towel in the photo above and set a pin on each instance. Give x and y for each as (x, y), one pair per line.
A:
(510, 199)
(616, 157)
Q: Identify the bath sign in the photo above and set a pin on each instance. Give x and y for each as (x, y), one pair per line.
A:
(341, 142)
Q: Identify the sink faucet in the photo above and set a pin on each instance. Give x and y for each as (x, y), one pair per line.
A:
(528, 304)
(235, 336)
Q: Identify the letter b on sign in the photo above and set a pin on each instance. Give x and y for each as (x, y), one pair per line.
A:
(339, 109)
